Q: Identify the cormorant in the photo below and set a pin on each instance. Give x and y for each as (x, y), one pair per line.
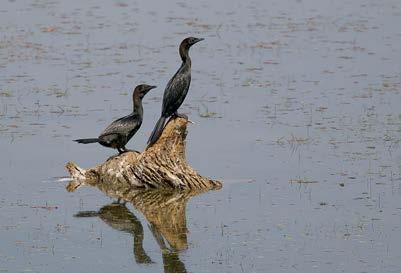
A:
(120, 131)
(176, 89)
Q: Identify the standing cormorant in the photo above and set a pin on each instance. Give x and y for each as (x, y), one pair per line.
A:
(176, 89)
(120, 131)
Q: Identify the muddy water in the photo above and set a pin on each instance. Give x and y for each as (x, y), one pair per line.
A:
(297, 111)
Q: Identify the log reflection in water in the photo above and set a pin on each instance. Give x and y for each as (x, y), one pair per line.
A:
(165, 210)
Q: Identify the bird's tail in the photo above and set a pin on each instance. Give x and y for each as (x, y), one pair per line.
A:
(157, 131)
(87, 140)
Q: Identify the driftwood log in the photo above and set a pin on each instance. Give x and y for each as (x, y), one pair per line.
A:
(163, 165)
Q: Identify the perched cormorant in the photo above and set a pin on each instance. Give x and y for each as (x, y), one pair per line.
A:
(176, 89)
(120, 131)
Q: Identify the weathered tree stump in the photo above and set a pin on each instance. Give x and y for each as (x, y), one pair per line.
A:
(163, 165)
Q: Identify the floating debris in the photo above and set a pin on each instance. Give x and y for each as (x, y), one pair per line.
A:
(302, 181)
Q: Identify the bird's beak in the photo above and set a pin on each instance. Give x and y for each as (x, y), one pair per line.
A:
(152, 87)
(198, 40)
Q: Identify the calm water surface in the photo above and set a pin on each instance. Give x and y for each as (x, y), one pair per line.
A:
(297, 111)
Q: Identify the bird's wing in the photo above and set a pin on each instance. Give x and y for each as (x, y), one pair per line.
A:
(175, 92)
(122, 126)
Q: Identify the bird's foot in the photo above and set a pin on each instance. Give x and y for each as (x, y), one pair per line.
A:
(178, 115)
(184, 116)
(129, 150)
(124, 150)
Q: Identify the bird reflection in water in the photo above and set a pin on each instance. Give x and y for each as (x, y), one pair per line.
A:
(165, 212)
(119, 217)
(171, 260)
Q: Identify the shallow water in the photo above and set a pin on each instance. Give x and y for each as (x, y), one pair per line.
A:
(297, 111)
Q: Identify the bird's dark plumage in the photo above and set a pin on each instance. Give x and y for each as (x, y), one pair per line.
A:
(176, 89)
(87, 140)
(120, 131)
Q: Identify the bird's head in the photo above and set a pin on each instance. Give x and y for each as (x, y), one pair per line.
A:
(190, 41)
(141, 90)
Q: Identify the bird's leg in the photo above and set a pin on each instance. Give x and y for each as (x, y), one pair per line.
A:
(128, 150)
(178, 115)
(120, 151)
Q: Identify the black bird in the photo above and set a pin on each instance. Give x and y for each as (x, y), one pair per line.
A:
(176, 89)
(120, 131)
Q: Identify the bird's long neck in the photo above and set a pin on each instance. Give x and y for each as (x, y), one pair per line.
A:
(138, 109)
(184, 53)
